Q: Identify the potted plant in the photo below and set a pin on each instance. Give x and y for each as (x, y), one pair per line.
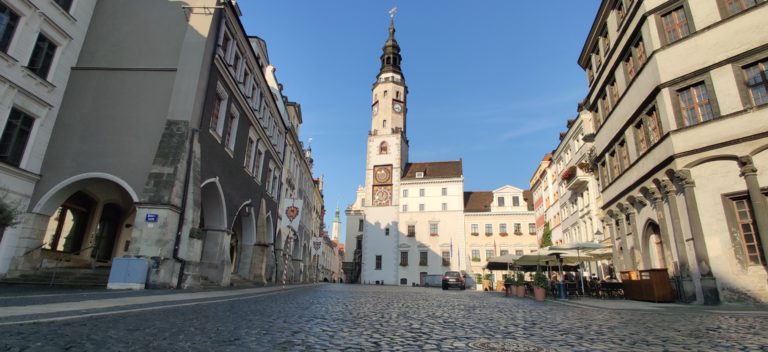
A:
(520, 285)
(540, 283)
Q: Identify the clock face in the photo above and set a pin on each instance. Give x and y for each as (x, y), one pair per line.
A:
(398, 107)
(382, 175)
(382, 196)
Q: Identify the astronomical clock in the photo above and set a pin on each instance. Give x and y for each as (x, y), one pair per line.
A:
(382, 185)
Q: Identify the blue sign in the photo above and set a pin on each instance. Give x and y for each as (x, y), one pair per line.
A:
(151, 218)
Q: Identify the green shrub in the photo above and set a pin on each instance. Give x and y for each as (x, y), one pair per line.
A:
(540, 280)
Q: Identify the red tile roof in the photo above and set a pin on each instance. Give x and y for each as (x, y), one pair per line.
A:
(477, 201)
(438, 169)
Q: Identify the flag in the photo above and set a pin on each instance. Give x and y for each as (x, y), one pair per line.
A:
(494, 247)
(451, 247)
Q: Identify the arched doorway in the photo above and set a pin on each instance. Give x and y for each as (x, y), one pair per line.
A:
(82, 222)
(215, 262)
(654, 246)
(242, 241)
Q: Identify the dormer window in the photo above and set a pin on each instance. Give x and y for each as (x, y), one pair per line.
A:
(420, 174)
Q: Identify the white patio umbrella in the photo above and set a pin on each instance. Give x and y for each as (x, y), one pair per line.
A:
(579, 246)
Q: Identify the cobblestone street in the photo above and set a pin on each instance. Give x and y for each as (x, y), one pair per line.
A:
(373, 318)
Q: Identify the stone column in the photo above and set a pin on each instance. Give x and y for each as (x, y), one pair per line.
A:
(708, 283)
(680, 253)
(645, 257)
(628, 223)
(756, 199)
(613, 232)
(658, 204)
(627, 252)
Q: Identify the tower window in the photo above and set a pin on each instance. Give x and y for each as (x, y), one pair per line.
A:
(383, 148)
(397, 94)
(389, 60)
(385, 93)
(384, 124)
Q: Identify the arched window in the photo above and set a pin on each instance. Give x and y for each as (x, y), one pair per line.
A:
(383, 148)
(385, 93)
(389, 60)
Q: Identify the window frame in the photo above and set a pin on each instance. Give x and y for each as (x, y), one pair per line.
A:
(691, 27)
(47, 62)
(16, 147)
(734, 224)
(704, 81)
(745, 90)
(7, 37)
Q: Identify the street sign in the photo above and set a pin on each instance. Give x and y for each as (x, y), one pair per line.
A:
(151, 218)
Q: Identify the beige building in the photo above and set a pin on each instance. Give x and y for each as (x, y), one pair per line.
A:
(497, 223)
(40, 40)
(677, 96)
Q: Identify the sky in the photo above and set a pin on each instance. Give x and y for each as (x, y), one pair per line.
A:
(490, 82)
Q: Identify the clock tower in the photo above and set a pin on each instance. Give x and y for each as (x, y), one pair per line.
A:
(387, 141)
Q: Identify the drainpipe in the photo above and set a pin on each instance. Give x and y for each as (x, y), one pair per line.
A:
(183, 211)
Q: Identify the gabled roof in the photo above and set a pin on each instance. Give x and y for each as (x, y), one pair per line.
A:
(477, 201)
(438, 169)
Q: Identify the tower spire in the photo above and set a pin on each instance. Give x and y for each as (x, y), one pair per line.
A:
(390, 58)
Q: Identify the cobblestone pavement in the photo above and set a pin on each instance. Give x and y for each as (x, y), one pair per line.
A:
(379, 318)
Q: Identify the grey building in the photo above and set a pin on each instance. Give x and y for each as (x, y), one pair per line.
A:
(169, 146)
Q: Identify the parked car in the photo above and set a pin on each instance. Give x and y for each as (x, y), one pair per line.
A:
(453, 279)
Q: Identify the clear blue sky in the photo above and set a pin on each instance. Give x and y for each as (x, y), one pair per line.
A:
(490, 82)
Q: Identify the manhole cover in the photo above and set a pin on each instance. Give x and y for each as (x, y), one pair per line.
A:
(504, 345)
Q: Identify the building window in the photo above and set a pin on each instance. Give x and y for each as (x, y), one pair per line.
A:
(386, 231)
(250, 148)
(67, 228)
(642, 140)
(444, 191)
(620, 13)
(474, 229)
(639, 49)
(258, 161)
(446, 258)
(515, 201)
(694, 104)
(519, 252)
(736, 6)
(629, 67)
(654, 125)
(378, 262)
(403, 258)
(500, 201)
(475, 255)
(360, 225)
(421, 192)
(518, 229)
(405, 193)
(503, 229)
(383, 148)
(15, 136)
(747, 227)
(8, 22)
(488, 229)
(675, 25)
(614, 164)
(614, 90)
(488, 253)
(624, 154)
(757, 82)
(605, 41)
(405, 208)
(411, 230)
(532, 229)
(64, 4)
(433, 229)
(421, 207)
(42, 56)
(504, 252)
(423, 258)
(229, 138)
(216, 124)
(604, 178)
(444, 206)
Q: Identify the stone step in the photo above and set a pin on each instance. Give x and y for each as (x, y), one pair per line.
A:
(62, 277)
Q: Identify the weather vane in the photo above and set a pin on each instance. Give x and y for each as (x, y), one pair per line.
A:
(392, 13)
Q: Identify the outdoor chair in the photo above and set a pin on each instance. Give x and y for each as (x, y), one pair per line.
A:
(572, 289)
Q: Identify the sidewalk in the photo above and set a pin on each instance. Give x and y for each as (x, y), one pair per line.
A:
(625, 304)
(36, 304)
